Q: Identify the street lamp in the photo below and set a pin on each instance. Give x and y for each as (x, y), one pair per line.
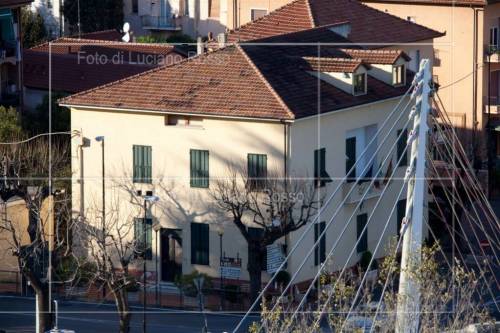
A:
(221, 234)
(150, 199)
(156, 228)
(103, 226)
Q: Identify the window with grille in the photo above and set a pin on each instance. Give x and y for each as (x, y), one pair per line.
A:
(398, 75)
(200, 244)
(258, 13)
(359, 84)
(142, 157)
(257, 171)
(199, 168)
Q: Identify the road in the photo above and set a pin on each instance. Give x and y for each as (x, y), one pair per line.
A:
(17, 315)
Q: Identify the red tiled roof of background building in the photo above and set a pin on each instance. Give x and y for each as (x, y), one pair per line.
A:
(14, 3)
(434, 2)
(110, 35)
(368, 25)
(72, 72)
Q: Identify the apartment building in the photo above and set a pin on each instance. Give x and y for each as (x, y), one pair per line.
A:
(247, 105)
(11, 52)
(52, 14)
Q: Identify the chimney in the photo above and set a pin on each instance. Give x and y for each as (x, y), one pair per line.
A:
(199, 46)
(222, 39)
(343, 29)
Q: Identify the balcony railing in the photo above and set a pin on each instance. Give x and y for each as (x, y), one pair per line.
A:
(492, 53)
(363, 190)
(492, 105)
(160, 22)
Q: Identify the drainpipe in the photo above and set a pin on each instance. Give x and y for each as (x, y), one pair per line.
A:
(474, 83)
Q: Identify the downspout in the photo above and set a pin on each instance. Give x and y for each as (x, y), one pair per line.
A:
(20, 57)
(474, 86)
(489, 133)
(286, 150)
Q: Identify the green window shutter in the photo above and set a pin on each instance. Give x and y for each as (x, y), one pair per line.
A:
(320, 250)
(401, 152)
(361, 221)
(400, 214)
(257, 171)
(350, 151)
(140, 237)
(142, 158)
(199, 168)
(320, 175)
(205, 244)
(194, 241)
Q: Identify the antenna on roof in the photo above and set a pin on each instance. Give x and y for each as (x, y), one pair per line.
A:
(126, 30)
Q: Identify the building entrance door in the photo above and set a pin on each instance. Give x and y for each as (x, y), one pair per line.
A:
(171, 254)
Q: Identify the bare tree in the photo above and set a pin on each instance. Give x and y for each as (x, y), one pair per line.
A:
(450, 300)
(108, 251)
(277, 205)
(31, 171)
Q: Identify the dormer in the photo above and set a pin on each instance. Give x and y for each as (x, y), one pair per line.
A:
(388, 66)
(349, 75)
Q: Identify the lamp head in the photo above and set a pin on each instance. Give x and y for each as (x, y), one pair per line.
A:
(99, 138)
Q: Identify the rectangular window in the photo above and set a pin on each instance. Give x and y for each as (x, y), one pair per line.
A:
(400, 214)
(135, 6)
(320, 175)
(361, 221)
(258, 13)
(359, 84)
(143, 240)
(402, 142)
(199, 168)
(320, 250)
(398, 75)
(257, 171)
(493, 38)
(350, 152)
(142, 164)
(199, 243)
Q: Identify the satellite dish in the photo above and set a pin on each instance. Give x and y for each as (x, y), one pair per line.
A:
(126, 30)
(126, 27)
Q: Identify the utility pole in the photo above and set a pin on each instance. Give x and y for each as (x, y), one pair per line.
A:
(408, 307)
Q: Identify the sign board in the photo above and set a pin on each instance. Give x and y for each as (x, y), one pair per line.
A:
(230, 268)
(275, 257)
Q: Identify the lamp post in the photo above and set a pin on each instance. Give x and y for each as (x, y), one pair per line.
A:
(103, 222)
(156, 228)
(151, 199)
(221, 234)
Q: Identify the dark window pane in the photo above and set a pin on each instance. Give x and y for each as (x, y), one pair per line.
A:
(400, 214)
(361, 221)
(350, 151)
(200, 243)
(401, 152)
(320, 250)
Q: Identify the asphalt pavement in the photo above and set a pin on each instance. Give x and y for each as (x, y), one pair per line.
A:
(17, 314)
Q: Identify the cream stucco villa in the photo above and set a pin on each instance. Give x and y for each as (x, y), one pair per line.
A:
(173, 131)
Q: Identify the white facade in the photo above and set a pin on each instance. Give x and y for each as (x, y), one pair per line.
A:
(51, 12)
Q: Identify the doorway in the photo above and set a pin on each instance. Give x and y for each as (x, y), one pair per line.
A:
(170, 254)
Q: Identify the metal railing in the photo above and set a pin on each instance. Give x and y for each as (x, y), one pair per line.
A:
(159, 22)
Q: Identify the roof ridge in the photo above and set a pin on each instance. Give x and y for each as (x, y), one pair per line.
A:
(110, 42)
(303, 31)
(266, 83)
(236, 30)
(311, 16)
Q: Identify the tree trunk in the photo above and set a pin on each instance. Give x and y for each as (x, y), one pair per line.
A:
(254, 268)
(121, 298)
(44, 314)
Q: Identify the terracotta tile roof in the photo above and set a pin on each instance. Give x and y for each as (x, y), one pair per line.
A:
(434, 2)
(221, 83)
(257, 81)
(368, 25)
(73, 74)
(338, 65)
(383, 57)
(286, 70)
(14, 3)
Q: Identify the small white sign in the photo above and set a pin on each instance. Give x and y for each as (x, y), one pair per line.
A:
(230, 268)
(275, 257)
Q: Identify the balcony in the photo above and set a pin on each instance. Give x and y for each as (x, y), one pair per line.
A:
(160, 23)
(374, 190)
(492, 53)
(493, 106)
